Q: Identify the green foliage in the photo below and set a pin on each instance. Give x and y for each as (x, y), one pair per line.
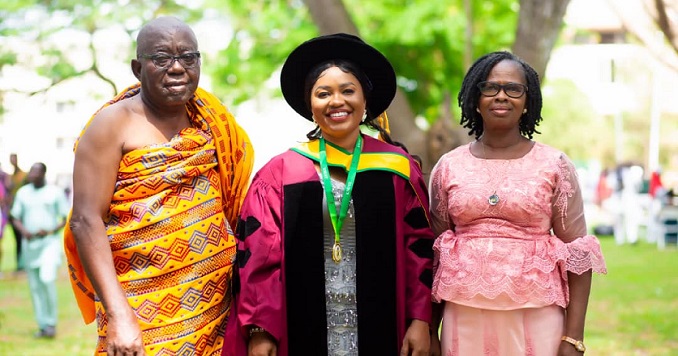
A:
(568, 114)
(425, 42)
(422, 38)
(265, 32)
(41, 26)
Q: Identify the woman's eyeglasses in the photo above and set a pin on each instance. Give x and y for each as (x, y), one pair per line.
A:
(512, 90)
(165, 61)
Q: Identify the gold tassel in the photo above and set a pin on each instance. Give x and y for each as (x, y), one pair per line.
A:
(382, 121)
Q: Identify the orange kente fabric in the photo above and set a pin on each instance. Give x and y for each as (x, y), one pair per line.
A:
(169, 227)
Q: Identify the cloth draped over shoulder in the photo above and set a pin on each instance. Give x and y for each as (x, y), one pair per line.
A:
(515, 254)
(169, 228)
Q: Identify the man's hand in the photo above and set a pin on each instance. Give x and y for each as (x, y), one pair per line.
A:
(417, 340)
(41, 233)
(124, 337)
(262, 344)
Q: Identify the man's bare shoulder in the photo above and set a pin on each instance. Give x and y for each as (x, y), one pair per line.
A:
(124, 125)
(117, 115)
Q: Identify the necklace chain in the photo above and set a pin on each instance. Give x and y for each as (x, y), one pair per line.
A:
(494, 198)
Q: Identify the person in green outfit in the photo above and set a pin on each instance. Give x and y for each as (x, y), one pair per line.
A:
(39, 213)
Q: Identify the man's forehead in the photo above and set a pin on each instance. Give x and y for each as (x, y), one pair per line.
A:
(151, 36)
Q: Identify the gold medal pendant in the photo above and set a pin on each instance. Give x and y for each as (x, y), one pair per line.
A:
(336, 252)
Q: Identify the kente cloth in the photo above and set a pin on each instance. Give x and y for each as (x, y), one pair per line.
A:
(280, 262)
(517, 253)
(169, 227)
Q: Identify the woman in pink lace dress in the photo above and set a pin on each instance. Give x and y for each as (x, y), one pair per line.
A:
(513, 259)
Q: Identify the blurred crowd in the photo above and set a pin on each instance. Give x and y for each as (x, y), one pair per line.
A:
(631, 199)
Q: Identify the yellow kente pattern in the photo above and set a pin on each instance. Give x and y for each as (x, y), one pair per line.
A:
(170, 236)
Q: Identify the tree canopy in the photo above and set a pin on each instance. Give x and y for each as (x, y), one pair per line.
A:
(423, 38)
(429, 42)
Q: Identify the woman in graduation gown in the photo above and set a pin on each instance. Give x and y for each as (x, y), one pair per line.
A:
(334, 242)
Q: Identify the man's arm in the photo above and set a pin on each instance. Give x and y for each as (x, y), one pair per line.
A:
(97, 159)
(20, 226)
(16, 214)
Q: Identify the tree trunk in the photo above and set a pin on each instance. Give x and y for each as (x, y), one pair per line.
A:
(539, 24)
(331, 16)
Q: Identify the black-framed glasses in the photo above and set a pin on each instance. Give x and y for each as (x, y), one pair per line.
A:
(512, 90)
(165, 61)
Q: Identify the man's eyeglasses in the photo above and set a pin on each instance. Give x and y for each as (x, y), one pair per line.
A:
(512, 90)
(165, 61)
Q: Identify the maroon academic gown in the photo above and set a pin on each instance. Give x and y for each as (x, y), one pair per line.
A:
(279, 284)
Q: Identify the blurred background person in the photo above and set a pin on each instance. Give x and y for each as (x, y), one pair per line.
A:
(16, 181)
(628, 208)
(39, 213)
(4, 208)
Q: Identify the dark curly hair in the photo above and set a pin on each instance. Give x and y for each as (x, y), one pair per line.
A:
(469, 95)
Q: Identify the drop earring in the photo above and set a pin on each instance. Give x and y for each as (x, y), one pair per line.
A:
(364, 116)
(524, 111)
(478, 110)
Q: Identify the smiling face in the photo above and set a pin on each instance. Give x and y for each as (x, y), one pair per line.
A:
(501, 111)
(338, 104)
(173, 86)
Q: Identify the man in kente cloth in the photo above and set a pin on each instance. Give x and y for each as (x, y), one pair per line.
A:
(160, 172)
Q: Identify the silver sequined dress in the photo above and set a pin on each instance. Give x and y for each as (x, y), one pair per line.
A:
(340, 281)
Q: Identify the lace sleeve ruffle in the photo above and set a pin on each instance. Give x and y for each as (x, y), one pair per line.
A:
(584, 254)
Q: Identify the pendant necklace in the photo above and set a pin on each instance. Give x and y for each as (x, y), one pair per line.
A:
(338, 221)
(494, 198)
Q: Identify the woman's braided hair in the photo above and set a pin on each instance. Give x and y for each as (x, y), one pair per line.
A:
(469, 94)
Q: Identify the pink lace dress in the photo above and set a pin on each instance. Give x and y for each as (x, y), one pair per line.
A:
(502, 268)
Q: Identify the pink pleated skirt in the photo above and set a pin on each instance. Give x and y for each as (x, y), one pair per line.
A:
(470, 331)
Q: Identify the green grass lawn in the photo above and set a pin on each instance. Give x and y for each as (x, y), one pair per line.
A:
(17, 322)
(633, 309)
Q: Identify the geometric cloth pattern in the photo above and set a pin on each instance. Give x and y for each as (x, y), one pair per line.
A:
(170, 236)
(173, 249)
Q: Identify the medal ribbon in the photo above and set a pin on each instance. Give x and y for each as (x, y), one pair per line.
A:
(338, 221)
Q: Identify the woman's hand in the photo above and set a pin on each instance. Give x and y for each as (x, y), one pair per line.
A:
(417, 340)
(567, 349)
(435, 344)
(262, 344)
